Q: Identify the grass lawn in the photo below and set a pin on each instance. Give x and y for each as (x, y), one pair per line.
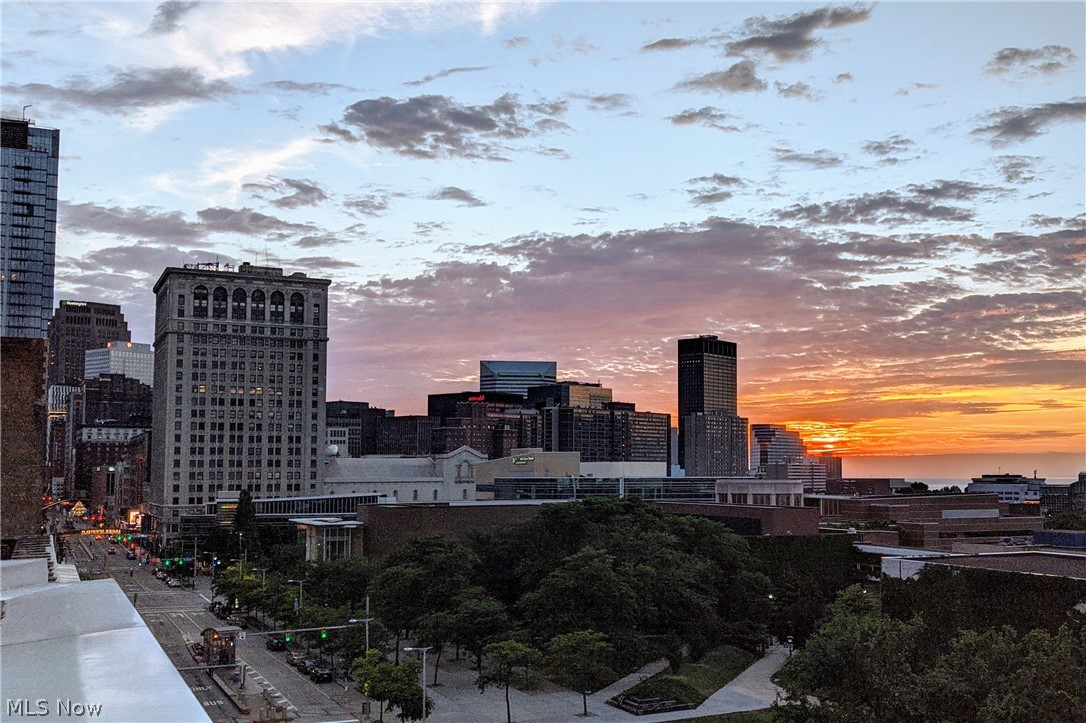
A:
(696, 681)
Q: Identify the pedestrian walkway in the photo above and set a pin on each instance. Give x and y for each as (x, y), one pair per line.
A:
(458, 699)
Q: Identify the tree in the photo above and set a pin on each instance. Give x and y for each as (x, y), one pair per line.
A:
(245, 524)
(435, 631)
(586, 591)
(405, 691)
(478, 620)
(375, 678)
(500, 668)
(859, 666)
(578, 661)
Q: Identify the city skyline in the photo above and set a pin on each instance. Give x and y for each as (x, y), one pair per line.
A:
(884, 212)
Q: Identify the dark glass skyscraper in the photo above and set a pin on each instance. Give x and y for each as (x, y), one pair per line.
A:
(707, 381)
(29, 159)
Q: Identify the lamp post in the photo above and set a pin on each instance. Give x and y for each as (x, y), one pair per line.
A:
(263, 591)
(299, 608)
(423, 651)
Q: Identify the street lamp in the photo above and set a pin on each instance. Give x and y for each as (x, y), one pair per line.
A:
(299, 607)
(263, 591)
(423, 651)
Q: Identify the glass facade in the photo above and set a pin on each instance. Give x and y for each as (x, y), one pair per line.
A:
(29, 158)
(707, 381)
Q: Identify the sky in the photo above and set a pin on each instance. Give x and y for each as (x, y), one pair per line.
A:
(881, 204)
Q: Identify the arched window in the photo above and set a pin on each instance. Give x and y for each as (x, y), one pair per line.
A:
(297, 308)
(240, 302)
(258, 305)
(276, 307)
(199, 302)
(415, 495)
(435, 495)
(218, 303)
(181, 305)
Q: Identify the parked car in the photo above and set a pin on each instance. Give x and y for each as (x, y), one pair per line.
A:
(273, 642)
(295, 658)
(173, 582)
(112, 550)
(321, 675)
(130, 555)
(307, 666)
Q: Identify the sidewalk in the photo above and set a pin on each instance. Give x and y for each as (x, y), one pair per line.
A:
(458, 699)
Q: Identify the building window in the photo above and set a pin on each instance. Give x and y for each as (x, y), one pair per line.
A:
(435, 495)
(199, 302)
(218, 303)
(181, 305)
(297, 308)
(277, 301)
(415, 495)
(258, 305)
(239, 305)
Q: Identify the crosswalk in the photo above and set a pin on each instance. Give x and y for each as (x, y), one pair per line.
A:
(270, 690)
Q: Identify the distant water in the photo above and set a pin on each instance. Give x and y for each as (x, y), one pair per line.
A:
(941, 483)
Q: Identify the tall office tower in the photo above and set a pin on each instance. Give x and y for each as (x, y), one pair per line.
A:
(716, 445)
(832, 464)
(616, 432)
(707, 381)
(76, 328)
(774, 444)
(29, 158)
(239, 397)
(569, 394)
(361, 421)
(134, 360)
(515, 377)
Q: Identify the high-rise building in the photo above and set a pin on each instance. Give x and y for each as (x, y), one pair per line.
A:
(360, 421)
(239, 398)
(774, 444)
(617, 432)
(29, 160)
(77, 327)
(707, 381)
(515, 377)
(134, 360)
(716, 445)
(570, 394)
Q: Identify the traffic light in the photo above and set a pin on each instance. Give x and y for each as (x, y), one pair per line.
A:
(286, 637)
(167, 562)
(324, 634)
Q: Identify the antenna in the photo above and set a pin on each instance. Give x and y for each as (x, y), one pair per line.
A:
(24, 109)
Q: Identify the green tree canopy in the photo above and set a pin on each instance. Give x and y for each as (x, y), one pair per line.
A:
(504, 664)
(580, 661)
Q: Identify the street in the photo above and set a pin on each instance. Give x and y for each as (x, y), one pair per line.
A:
(177, 617)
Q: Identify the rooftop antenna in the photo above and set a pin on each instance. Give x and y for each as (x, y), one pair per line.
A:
(24, 109)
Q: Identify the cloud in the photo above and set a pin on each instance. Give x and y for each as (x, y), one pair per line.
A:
(821, 158)
(707, 116)
(300, 192)
(291, 86)
(843, 78)
(739, 78)
(248, 222)
(517, 41)
(452, 193)
(1014, 125)
(1018, 169)
(915, 86)
(892, 146)
(807, 311)
(168, 15)
(128, 90)
(446, 73)
(141, 222)
(886, 208)
(608, 102)
(434, 126)
(710, 190)
(792, 38)
(797, 90)
(370, 204)
(1046, 61)
(670, 44)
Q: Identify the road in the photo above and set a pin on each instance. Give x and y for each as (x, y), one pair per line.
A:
(177, 617)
